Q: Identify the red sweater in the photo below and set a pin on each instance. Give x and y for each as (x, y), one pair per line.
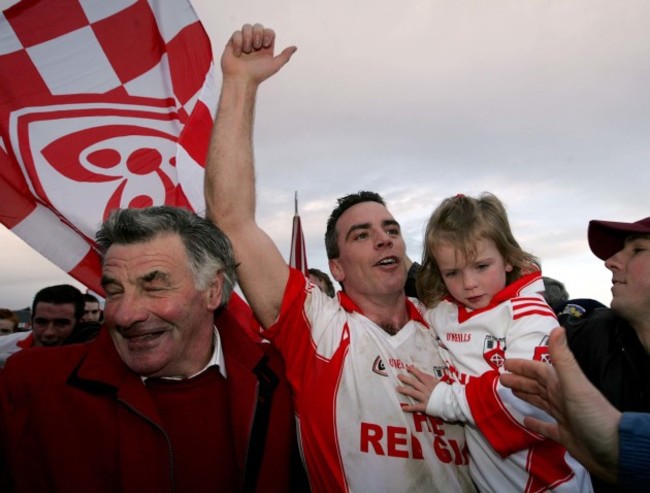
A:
(75, 418)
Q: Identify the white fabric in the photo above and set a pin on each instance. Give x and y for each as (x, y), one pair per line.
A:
(343, 369)
(9, 345)
(474, 343)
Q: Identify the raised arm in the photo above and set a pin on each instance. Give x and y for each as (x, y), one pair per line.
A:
(247, 61)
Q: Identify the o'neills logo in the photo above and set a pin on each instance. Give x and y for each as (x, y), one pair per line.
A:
(379, 368)
(455, 337)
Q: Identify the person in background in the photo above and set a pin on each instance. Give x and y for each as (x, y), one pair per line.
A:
(483, 291)
(614, 446)
(163, 399)
(323, 281)
(612, 345)
(413, 269)
(56, 311)
(342, 354)
(555, 293)
(8, 322)
(92, 310)
(567, 310)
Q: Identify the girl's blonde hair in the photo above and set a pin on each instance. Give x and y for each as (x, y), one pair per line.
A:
(461, 221)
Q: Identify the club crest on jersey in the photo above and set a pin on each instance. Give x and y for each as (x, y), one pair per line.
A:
(494, 351)
(439, 372)
(541, 351)
(378, 367)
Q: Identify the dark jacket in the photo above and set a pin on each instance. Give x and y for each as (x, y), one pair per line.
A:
(75, 418)
(613, 358)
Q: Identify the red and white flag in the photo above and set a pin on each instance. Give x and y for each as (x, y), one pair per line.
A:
(103, 104)
(298, 255)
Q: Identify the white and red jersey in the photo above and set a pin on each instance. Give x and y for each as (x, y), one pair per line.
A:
(504, 455)
(343, 369)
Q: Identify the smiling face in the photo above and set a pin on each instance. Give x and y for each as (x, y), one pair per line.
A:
(371, 260)
(476, 282)
(52, 323)
(631, 279)
(160, 323)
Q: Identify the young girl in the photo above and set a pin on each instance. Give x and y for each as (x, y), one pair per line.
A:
(482, 291)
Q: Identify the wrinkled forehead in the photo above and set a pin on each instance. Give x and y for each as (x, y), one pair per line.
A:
(164, 253)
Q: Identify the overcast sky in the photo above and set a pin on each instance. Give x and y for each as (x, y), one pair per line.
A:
(544, 104)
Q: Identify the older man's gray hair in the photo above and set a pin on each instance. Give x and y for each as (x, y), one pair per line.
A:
(208, 248)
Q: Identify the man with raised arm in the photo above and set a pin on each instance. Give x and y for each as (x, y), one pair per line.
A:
(342, 354)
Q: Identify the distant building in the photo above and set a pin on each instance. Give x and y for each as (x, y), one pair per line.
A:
(24, 318)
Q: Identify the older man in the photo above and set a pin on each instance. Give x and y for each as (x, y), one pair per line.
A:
(342, 354)
(162, 400)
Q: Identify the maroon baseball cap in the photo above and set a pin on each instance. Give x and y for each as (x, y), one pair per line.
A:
(607, 238)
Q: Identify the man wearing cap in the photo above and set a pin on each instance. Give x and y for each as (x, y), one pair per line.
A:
(612, 346)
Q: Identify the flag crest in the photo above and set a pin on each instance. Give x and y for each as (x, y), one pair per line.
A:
(103, 105)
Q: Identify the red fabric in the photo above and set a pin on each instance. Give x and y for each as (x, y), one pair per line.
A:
(36, 21)
(98, 101)
(26, 342)
(74, 418)
(317, 395)
(503, 432)
(547, 466)
(197, 462)
(298, 257)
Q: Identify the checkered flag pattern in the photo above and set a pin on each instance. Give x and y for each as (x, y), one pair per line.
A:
(103, 104)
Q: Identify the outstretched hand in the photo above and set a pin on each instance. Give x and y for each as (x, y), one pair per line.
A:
(587, 424)
(248, 55)
(419, 386)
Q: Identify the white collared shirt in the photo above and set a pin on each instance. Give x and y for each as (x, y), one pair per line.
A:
(216, 359)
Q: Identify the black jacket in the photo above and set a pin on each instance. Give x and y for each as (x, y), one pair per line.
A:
(613, 358)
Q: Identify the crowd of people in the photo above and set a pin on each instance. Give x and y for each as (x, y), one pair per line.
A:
(447, 375)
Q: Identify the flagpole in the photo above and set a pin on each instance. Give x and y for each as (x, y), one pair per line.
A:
(298, 255)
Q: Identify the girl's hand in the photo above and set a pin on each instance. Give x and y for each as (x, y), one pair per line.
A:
(419, 386)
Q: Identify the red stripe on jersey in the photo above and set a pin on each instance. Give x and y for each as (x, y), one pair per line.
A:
(518, 304)
(521, 299)
(314, 391)
(318, 433)
(525, 306)
(547, 467)
(498, 426)
(544, 313)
